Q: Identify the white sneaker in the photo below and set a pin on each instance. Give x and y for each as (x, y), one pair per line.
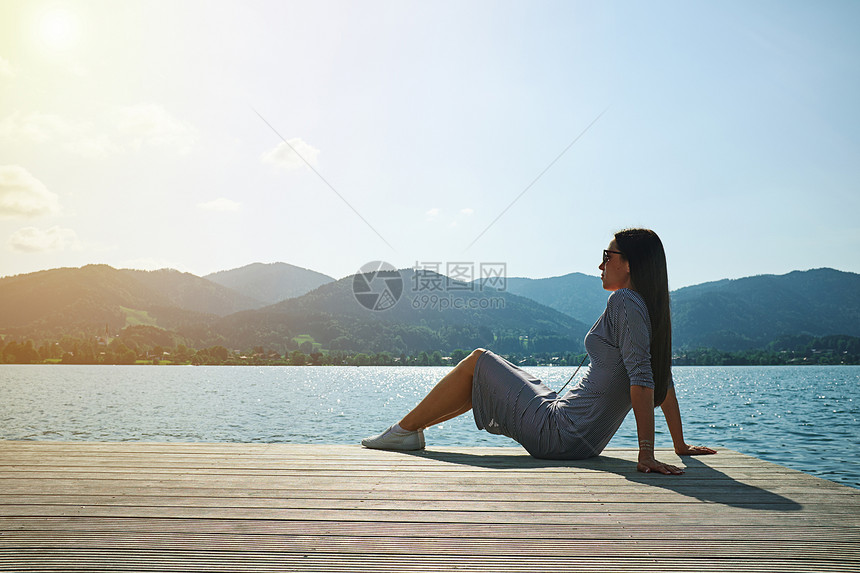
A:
(390, 440)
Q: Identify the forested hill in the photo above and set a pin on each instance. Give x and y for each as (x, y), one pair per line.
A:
(728, 315)
(88, 301)
(420, 320)
(83, 300)
(578, 295)
(751, 312)
(270, 283)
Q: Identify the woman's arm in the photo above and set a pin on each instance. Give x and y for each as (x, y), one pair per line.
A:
(672, 412)
(642, 399)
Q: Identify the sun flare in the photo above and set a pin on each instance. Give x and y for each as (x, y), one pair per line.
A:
(58, 29)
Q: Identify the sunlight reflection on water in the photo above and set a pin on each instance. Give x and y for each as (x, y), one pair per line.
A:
(802, 417)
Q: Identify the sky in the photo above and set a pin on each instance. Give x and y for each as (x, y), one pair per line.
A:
(204, 136)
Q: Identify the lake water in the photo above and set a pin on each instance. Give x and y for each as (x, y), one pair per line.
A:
(803, 417)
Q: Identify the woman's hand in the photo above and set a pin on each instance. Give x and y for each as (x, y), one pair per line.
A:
(649, 464)
(688, 450)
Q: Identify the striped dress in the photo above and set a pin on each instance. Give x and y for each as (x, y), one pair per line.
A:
(509, 401)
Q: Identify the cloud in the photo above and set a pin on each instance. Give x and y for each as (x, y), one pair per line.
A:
(6, 69)
(33, 240)
(38, 127)
(124, 128)
(434, 215)
(438, 216)
(22, 195)
(79, 137)
(283, 155)
(220, 204)
(98, 146)
(152, 125)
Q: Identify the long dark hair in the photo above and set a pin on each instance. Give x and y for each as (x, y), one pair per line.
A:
(643, 250)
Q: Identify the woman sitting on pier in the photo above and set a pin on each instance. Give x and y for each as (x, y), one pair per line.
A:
(630, 347)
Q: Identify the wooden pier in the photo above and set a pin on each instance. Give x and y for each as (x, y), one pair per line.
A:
(281, 507)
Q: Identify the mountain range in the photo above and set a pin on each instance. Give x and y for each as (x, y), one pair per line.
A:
(730, 314)
(271, 305)
(270, 283)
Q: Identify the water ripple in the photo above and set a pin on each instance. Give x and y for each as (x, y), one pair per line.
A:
(802, 417)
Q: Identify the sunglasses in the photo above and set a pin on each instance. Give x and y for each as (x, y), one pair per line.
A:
(607, 254)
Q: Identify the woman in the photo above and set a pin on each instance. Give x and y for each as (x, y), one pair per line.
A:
(630, 347)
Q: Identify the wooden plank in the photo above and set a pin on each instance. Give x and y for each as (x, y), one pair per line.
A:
(745, 515)
(159, 465)
(301, 451)
(216, 561)
(394, 545)
(295, 455)
(478, 464)
(462, 532)
(440, 504)
(307, 451)
(680, 494)
(502, 486)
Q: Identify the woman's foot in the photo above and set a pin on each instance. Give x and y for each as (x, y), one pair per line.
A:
(396, 438)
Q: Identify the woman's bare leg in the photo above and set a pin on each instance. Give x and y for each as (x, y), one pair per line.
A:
(451, 397)
(446, 417)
